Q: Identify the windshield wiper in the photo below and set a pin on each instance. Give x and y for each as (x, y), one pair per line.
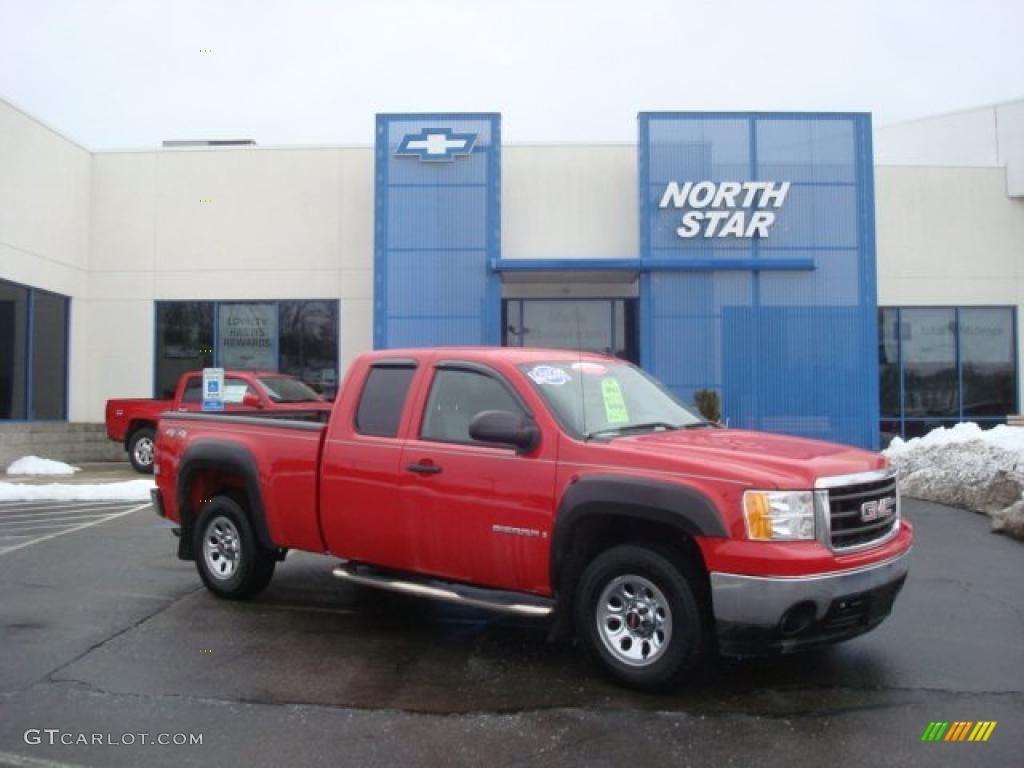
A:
(617, 431)
(701, 424)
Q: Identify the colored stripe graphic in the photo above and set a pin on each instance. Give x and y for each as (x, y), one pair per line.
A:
(982, 730)
(958, 730)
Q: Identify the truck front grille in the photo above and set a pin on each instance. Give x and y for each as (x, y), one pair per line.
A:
(863, 513)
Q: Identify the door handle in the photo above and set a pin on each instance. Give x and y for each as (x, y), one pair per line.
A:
(424, 469)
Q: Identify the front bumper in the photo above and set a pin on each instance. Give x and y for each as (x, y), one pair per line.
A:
(755, 615)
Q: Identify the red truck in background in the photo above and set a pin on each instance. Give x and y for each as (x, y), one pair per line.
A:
(545, 483)
(132, 422)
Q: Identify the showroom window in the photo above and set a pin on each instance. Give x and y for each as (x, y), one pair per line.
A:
(607, 326)
(33, 353)
(295, 337)
(943, 365)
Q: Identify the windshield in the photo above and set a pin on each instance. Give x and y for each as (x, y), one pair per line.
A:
(281, 389)
(607, 399)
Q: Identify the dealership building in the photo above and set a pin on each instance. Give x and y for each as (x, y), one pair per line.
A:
(825, 278)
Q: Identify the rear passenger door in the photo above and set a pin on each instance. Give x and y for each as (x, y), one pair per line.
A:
(360, 506)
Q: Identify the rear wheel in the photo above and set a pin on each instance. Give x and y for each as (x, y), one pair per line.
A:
(230, 560)
(638, 615)
(141, 448)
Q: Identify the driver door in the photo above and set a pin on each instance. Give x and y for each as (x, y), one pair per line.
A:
(481, 513)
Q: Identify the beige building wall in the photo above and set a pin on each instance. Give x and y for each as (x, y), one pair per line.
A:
(117, 231)
(950, 235)
(223, 224)
(45, 184)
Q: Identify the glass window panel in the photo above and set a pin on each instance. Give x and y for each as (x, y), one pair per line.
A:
(49, 355)
(247, 336)
(920, 428)
(184, 341)
(889, 428)
(568, 325)
(309, 343)
(13, 349)
(456, 397)
(513, 323)
(889, 361)
(193, 390)
(988, 362)
(928, 338)
(382, 401)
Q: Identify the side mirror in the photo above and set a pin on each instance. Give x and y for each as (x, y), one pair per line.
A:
(505, 428)
(249, 400)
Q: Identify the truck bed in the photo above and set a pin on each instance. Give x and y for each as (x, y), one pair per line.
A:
(282, 451)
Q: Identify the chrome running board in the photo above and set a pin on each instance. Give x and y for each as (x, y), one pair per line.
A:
(476, 597)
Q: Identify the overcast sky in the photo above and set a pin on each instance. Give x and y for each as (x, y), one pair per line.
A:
(132, 73)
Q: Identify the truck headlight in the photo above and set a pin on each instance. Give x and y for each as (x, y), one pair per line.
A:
(779, 515)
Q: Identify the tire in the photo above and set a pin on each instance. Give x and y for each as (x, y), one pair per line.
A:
(230, 560)
(638, 615)
(141, 449)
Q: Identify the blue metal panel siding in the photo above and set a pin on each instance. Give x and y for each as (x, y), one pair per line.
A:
(793, 350)
(437, 233)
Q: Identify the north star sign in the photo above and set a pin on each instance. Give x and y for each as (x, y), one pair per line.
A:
(725, 209)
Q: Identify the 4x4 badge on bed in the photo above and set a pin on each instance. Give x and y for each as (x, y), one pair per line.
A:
(877, 509)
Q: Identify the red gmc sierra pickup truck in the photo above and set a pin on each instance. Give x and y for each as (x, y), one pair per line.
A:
(133, 421)
(546, 483)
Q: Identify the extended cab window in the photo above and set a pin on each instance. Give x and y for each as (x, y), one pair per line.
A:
(456, 396)
(193, 390)
(382, 401)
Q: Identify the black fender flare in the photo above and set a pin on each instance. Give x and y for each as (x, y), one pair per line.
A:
(687, 510)
(231, 457)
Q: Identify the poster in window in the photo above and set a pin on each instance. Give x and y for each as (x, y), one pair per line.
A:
(248, 334)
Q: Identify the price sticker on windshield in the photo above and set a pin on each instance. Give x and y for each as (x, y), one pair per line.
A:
(614, 403)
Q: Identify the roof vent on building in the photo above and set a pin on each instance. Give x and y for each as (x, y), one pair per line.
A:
(210, 143)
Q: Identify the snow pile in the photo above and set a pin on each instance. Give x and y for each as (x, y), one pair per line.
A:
(33, 465)
(965, 466)
(131, 490)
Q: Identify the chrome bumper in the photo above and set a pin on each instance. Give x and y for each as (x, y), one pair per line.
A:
(756, 614)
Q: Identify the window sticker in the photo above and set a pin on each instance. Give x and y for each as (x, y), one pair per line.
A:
(614, 403)
(548, 374)
(233, 393)
(592, 368)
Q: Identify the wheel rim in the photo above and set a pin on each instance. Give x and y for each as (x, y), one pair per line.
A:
(634, 620)
(144, 451)
(221, 548)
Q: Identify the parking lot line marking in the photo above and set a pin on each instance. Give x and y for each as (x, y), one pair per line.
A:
(49, 518)
(47, 504)
(59, 515)
(20, 761)
(65, 508)
(28, 525)
(55, 534)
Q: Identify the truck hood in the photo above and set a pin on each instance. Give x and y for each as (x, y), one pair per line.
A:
(761, 459)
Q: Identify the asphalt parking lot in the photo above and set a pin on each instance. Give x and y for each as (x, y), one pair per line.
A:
(105, 632)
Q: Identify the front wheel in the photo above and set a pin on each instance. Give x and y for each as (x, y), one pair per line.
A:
(230, 560)
(141, 448)
(638, 615)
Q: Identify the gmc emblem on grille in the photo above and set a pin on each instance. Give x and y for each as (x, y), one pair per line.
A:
(877, 509)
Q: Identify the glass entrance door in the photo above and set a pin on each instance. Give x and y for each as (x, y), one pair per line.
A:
(594, 325)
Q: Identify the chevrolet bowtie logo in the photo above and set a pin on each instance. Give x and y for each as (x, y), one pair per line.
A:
(436, 144)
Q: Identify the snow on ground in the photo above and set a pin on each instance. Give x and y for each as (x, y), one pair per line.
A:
(33, 465)
(130, 490)
(966, 466)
